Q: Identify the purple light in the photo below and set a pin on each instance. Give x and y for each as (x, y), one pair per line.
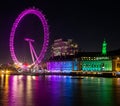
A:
(66, 66)
(46, 34)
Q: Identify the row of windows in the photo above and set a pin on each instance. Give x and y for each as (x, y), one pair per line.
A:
(95, 58)
(93, 65)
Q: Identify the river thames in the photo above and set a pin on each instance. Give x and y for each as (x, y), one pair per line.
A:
(55, 90)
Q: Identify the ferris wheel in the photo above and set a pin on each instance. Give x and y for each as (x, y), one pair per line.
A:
(38, 58)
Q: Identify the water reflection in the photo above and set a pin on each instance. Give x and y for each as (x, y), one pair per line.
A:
(19, 90)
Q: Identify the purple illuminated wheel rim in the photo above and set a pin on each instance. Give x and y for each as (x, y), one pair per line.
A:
(46, 34)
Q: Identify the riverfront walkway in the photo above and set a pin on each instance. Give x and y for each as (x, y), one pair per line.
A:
(73, 73)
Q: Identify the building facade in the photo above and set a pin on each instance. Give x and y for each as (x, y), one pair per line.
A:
(87, 61)
(96, 64)
(63, 48)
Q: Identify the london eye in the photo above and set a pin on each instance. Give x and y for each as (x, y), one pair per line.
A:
(36, 58)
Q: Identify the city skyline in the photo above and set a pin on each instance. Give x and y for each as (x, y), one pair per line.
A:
(87, 23)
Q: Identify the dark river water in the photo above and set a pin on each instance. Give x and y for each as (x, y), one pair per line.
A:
(26, 90)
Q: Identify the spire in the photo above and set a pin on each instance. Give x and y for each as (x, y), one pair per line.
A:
(104, 47)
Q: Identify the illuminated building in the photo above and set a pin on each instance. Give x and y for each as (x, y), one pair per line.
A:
(116, 60)
(63, 48)
(87, 61)
(96, 64)
(116, 63)
(60, 66)
(63, 65)
(96, 61)
(104, 48)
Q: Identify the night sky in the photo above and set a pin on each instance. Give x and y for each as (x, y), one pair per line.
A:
(87, 22)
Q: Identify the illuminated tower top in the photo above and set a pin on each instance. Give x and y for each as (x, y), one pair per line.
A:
(104, 48)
